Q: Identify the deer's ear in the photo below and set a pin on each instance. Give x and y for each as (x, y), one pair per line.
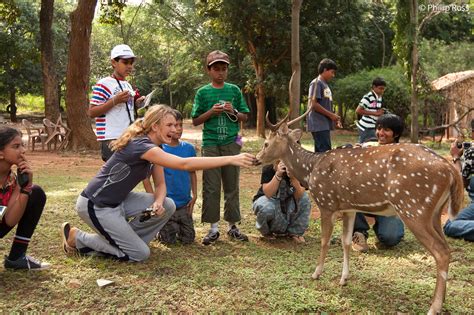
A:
(283, 130)
(296, 134)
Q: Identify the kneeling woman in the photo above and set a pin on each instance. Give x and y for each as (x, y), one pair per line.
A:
(281, 205)
(108, 204)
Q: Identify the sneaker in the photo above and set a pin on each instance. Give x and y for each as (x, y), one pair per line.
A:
(359, 242)
(235, 233)
(210, 238)
(68, 250)
(25, 263)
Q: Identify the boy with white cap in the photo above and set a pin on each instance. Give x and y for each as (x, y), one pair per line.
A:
(113, 100)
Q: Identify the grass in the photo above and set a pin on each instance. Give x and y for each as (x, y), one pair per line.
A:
(257, 276)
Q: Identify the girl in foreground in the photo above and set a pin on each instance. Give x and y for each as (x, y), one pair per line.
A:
(108, 204)
(21, 202)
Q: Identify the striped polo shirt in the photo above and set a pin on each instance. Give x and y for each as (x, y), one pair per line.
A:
(372, 103)
(113, 123)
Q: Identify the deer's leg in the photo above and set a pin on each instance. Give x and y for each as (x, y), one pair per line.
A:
(346, 237)
(327, 226)
(436, 244)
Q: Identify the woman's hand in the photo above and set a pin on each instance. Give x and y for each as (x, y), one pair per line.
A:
(243, 159)
(158, 208)
(281, 169)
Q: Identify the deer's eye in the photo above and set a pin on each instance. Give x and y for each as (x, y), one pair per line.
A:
(265, 144)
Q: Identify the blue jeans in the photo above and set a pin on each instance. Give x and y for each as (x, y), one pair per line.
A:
(389, 230)
(322, 140)
(367, 135)
(270, 218)
(463, 225)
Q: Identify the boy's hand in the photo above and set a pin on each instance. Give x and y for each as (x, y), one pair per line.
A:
(139, 100)
(218, 108)
(190, 205)
(121, 97)
(379, 112)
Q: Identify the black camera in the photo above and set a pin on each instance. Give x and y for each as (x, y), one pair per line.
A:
(464, 145)
(146, 214)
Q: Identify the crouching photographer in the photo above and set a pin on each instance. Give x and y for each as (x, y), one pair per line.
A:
(281, 205)
(463, 159)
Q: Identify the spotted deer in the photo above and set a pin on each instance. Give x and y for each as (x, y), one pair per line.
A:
(408, 180)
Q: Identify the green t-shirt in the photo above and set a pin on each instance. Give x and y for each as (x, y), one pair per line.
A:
(218, 130)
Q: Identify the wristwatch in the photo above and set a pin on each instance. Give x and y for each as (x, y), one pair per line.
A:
(236, 111)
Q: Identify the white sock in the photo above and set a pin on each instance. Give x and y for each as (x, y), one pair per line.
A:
(215, 227)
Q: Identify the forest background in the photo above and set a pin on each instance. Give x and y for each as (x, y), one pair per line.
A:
(366, 38)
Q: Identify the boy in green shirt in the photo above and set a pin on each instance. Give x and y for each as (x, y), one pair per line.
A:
(220, 106)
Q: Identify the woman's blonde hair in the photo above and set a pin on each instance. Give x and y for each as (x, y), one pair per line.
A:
(142, 126)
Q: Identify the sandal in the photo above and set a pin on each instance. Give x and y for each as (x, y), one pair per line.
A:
(68, 250)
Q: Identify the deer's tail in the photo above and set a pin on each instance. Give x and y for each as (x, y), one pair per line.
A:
(457, 193)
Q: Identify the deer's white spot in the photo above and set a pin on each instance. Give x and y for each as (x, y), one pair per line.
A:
(435, 189)
(405, 177)
(412, 174)
(427, 199)
(407, 192)
(419, 211)
(392, 194)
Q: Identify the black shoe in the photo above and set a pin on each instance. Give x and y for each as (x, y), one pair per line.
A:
(235, 233)
(210, 238)
(25, 263)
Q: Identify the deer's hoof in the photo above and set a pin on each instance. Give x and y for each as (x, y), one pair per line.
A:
(315, 275)
(343, 282)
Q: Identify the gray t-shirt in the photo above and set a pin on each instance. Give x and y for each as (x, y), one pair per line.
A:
(122, 172)
(319, 90)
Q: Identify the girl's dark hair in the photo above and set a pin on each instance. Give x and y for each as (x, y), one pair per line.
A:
(326, 64)
(393, 122)
(7, 134)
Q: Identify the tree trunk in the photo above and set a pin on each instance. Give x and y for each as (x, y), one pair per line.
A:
(295, 61)
(260, 96)
(77, 76)
(51, 99)
(414, 72)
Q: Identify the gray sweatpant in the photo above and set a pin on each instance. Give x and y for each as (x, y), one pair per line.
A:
(116, 235)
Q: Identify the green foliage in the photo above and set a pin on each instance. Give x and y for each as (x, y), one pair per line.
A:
(350, 90)
(19, 54)
(403, 40)
(30, 103)
(440, 58)
(450, 27)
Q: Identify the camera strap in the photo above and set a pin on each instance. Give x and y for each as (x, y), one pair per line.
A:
(126, 104)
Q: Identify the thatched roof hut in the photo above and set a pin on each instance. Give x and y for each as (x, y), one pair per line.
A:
(458, 90)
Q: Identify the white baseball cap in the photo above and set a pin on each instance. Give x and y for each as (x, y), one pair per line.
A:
(122, 51)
